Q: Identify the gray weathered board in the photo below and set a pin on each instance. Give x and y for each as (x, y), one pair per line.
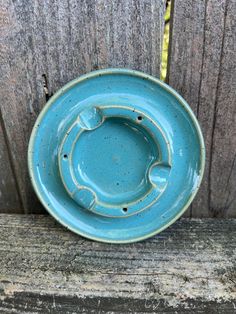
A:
(51, 42)
(202, 67)
(9, 200)
(189, 268)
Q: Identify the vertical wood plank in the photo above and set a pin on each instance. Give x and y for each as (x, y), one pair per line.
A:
(201, 61)
(186, 52)
(223, 161)
(21, 87)
(61, 40)
(9, 200)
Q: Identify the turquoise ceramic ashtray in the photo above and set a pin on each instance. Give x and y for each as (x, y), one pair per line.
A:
(116, 156)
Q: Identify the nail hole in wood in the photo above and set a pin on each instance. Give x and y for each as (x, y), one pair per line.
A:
(45, 86)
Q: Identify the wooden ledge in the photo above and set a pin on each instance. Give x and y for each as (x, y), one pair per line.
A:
(190, 267)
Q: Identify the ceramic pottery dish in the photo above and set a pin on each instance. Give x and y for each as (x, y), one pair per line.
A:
(116, 156)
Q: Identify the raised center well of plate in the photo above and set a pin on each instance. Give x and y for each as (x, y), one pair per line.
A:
(113, 160)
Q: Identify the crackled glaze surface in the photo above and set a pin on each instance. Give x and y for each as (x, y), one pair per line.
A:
(116, 155)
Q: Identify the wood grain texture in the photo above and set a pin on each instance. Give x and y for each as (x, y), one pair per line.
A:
(21, 87)
(202, 68)
(9, 199)
(189, 268)
(223, 161)
(52, 42)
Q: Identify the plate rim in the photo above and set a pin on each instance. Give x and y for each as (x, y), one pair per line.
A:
(98, 73)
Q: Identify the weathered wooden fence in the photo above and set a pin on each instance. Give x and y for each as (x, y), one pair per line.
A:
(44, 44)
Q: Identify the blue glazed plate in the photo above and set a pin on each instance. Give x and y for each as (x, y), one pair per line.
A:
(116, 156)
